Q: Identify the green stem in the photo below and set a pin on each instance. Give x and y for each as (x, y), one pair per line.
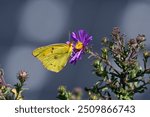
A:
(104, 60)
(19, 90)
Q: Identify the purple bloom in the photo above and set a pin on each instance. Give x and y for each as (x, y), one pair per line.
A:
(81, 39)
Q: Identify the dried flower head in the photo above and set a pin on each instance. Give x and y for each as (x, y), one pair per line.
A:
(115, 31)
(77, 91)
(2, 80)
(1, 72)
(140, 38)
(132, 43)
(22, 76)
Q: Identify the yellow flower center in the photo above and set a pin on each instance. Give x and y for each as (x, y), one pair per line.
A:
(79, 45)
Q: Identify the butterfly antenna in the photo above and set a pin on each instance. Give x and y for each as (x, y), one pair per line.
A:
(69, 36)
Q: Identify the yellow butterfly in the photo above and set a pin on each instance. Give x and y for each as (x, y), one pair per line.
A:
(54, 57)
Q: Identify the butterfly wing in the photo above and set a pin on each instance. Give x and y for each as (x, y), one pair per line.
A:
(54, 57)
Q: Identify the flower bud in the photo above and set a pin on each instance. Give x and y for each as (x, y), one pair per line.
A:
(132, 43)
(104, 40)
(140, 38)
(77, 93)
(2, 80)
(1, 72)
(77, 90)
(22, 75)
(104, 50)
(105, 53)
(96, 63)
(94, 97)
(146, 54)
(61, 89)
(132, 73)
(115, 31)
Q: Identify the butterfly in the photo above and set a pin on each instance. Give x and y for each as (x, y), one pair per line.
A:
(54, 57)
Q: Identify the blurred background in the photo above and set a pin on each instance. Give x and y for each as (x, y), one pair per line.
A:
(28, 24)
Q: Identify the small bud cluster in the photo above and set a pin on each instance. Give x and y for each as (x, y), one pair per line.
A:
(8, 92)
(64, 94)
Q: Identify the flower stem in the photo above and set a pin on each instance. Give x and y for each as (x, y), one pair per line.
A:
(102, 59)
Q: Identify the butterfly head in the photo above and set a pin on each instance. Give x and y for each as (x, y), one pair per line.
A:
(70, 44)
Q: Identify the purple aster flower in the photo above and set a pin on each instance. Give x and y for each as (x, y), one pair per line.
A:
(81, 39)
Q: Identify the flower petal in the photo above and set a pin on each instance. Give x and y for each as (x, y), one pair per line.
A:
(82, 34)
(76, 56)
(89, 38)
(75, 36)
(84, 38)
